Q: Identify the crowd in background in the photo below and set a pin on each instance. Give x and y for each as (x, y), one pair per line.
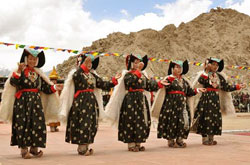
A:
(241, 101)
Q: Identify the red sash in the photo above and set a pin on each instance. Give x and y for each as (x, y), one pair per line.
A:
(81, 91)
(19, 93)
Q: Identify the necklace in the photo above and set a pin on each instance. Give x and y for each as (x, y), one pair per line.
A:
(179, 81)
(90, 78)
(32, 76)
(213, 80)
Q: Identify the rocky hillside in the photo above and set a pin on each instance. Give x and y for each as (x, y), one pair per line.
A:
(222, 33)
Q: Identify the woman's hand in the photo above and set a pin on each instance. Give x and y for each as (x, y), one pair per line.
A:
(202, 90)
(242, 86)
(118, 75)
(59, 87)
(21, 67)
(165, 82)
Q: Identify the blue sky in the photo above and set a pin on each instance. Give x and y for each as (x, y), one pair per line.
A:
(110, 9)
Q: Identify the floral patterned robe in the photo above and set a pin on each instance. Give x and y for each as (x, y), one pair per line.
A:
(82, 122)
(175, 110)
(208, 110)
(28, 123)
(134, 121)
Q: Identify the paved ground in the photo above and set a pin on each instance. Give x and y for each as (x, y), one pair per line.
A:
(231, 148)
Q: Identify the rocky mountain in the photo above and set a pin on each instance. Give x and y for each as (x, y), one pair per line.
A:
(221, 33)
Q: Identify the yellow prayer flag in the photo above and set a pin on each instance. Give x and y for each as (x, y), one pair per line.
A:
(95, 54)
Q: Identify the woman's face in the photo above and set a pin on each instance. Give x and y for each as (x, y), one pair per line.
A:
(177, 70)
(135, 64)
(31, 61)
(88, 62)
(214, 67)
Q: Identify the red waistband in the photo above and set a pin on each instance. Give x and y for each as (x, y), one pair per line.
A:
(177, 92)
(135, 90)
(81, 91)
(19, 93)
(212, 89)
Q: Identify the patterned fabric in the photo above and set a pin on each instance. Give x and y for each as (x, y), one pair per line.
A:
(28, 123)
(82, 121)
(33, 52)
(134, 121)
(175, 110)
(178, 62)
(208, 110)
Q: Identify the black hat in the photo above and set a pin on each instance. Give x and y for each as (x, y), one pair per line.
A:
(35, 53)
(220, 63)
(131, 58)
(95, 61)
(184, 65)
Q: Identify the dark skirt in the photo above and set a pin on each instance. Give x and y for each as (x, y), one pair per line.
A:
(209, 115)
(171, 120)
(28, 123)
(82, 121)
(134, 121)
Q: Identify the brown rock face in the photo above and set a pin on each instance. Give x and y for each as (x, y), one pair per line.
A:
(222, 33)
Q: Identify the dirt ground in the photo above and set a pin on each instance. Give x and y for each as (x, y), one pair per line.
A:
(241, 121)
(232, 148)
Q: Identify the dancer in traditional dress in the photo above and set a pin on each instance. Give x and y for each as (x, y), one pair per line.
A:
(82, 103)
(129, 104)
(28, 100)
(53, 76)
(171, 105)
(208, 116)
